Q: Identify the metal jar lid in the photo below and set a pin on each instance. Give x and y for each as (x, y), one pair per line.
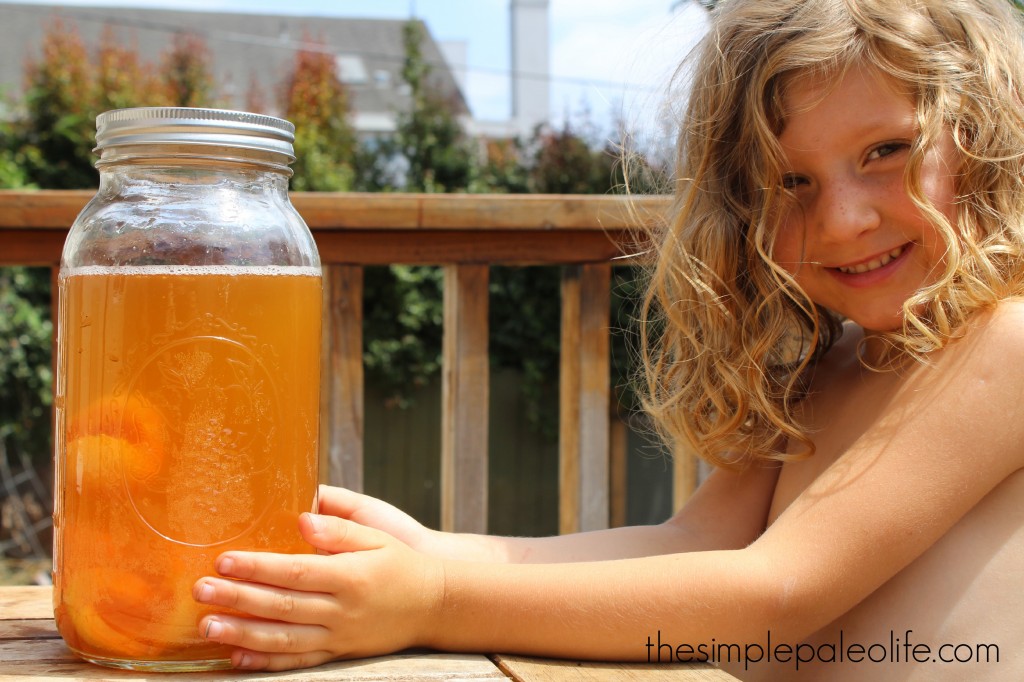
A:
(186, 126)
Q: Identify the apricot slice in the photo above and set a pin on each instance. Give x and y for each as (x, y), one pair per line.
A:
(134, 421)
(143, 426)
(112, 614)
(93, 464)
(121, 613)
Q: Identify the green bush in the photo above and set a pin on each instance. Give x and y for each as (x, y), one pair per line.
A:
(26, 333)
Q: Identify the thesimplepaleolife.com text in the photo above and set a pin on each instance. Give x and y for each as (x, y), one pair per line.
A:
(901, 648)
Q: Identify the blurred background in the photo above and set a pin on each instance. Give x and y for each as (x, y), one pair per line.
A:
(475, 96)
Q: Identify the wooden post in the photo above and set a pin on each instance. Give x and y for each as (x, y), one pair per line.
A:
(465, 389)
(341, 401)
(619, 480)
(583, 395)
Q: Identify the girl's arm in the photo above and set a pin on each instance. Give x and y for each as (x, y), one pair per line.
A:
(950, 435)
(728, 510)
(952, 432)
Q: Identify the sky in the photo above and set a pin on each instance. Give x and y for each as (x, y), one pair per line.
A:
(609, 58)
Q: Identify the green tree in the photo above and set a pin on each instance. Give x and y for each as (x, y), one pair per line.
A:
(256, 98)
(55, 136)
(503, 169)
(66, 88)
(316, 101)
(525, 323)
(566, 163)
(185, 73)
(122, 80)
(404, 318)
(26, 331)
(430, 137)
(377, 166)
(12, 162)
(403, 322)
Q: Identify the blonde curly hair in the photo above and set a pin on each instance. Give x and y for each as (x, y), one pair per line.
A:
(728, 339)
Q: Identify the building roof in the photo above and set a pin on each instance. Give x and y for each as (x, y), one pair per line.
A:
(245, 49)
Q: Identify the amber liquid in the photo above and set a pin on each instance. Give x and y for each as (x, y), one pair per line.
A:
(187, 423)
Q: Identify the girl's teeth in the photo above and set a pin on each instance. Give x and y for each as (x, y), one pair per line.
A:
(874, 264)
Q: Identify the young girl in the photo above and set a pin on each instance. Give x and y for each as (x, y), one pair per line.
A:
(833, 319)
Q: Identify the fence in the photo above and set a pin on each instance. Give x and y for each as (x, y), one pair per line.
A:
(466, 234)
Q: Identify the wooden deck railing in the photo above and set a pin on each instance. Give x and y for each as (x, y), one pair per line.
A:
(465, 234)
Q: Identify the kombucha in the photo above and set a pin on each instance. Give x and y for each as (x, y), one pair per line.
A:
(187, 425)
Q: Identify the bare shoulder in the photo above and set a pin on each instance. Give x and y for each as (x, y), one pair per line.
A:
(1000, 329)
(975, 386)
(901, 457)
(981, 372)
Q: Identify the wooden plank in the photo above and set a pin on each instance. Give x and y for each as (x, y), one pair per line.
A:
(595, 393)
(531, 211)
(486, 245)
(523, 669)
(28, 628)
(57, 209)
(51, 660)
(367, 247)
(465, 398)
(42, 649)
(26, 246)
(569, 405)
(331, 210)
(26, 602)
(392, 228)
(31, 649)
(584, 397)
(343, 397)
(523, 212)
(618, 473)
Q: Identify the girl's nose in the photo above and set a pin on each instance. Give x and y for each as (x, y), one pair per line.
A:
(846, 210)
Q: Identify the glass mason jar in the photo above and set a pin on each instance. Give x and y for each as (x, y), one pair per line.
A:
(187, 378)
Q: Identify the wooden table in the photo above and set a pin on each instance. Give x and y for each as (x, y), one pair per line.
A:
(31, 649)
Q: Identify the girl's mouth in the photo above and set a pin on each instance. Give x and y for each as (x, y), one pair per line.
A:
(875, 263)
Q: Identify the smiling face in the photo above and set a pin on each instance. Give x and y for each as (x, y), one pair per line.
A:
(850, 235)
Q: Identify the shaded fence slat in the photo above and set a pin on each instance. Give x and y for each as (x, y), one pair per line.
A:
(617, 473)
(584, 392)
(465, 372)
(31, 247)
(341, 401)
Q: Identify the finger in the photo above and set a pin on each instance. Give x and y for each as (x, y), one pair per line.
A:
(335, 535)
(264, 636)
(258, 660)
(266, 601)
(369, 511)
(340, 501)
(303, 572)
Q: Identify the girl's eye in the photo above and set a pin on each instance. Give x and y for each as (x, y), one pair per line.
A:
(791, 181)
(887, 149)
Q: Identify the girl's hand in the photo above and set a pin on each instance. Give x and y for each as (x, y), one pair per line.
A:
(366, 594)
(369, 511)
